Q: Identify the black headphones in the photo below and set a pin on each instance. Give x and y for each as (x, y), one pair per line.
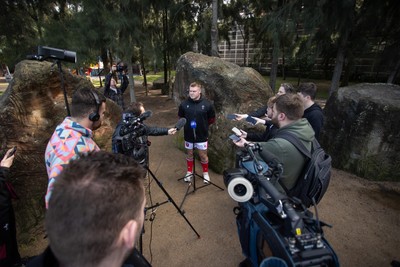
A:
(95, 116)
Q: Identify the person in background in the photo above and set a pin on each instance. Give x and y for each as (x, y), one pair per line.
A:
(9, 254)
(312, 111)
(96, 213)
(199, 114)
(112, 91)
(74, 134)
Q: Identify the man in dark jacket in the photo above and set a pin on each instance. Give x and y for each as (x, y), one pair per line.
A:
(9, 255)
(199, 114)
(130, 135)
(287, 114)
(312, 111)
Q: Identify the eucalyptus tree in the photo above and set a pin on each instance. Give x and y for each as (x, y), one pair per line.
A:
(272, 28)
(214, 29)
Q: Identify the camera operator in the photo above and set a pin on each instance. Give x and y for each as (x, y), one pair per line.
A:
(130, 135)
(287, 112)
(96, 213)
(74, 134)
(9, 255)
(111, 89)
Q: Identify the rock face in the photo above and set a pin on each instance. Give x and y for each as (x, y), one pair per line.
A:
(30, 109)
(231, 88)
(362, 130)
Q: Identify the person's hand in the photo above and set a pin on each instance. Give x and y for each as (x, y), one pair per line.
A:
(241, 142)
(171, 131)
(244, 134)
(240, 116)
(259, 121)
(7, 161)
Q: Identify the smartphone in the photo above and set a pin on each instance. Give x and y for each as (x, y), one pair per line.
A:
(231, 117)
(251, 120)
(236, 131)
(234, 138)
(14, 149)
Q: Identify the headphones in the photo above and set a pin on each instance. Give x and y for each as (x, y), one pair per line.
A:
(95, 116)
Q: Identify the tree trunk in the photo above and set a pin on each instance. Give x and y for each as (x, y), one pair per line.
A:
(274, 67)
(214, 29)
(339, 64)
(131, 81)
(144, 71)
(164, 89)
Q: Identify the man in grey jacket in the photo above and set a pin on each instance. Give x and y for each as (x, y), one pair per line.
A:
(287, 114)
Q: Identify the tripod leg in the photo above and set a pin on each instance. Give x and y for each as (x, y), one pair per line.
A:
(172, 201)
(187, 193)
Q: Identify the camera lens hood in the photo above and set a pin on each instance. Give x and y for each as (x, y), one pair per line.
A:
(240, 189)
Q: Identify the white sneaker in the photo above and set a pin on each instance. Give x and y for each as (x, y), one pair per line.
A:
(188, 177)
(206, 178)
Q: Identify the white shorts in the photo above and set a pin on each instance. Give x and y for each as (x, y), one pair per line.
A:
(199, 146)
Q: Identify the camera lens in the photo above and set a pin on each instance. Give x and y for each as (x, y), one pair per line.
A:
(240, 190)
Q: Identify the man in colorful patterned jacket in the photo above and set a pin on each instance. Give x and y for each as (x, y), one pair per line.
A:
(74, 135)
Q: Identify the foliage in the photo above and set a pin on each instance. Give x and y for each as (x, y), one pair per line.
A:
(290, 33)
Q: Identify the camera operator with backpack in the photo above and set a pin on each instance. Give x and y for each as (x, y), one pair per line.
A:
(287, 113)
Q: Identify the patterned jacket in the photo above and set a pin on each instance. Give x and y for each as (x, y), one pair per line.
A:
(68, 140)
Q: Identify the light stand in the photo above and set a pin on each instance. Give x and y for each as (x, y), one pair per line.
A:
(169, 199)
(194, 174)
(63, 87)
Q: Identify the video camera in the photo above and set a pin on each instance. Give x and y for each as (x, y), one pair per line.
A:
(270, 224)
(121, 68)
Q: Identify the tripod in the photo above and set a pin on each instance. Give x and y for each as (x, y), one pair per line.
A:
(169, 199)
(192, 182)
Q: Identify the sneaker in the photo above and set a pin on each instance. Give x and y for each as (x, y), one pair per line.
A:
(188, 177)
(206, 178)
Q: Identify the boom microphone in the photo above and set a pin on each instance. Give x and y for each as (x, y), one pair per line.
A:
(181, 122)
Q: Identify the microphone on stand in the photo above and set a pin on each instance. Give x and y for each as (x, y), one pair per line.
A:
(193, 125)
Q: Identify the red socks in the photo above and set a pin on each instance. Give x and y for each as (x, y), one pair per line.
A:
(205, 166)
(189, 163)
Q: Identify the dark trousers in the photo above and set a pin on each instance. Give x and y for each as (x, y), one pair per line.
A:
(9, 254)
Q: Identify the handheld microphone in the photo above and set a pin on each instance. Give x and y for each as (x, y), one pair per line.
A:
(145, 115)
(181, 122)
(193, 124)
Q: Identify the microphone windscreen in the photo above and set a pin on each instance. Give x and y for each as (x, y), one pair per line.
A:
(181, 122)
(193, 124)
(145, 115)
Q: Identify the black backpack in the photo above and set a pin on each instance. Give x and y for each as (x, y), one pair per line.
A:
(314, 179)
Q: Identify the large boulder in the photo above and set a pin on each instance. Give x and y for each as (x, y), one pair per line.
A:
(362, 130)
(231, 88)
(30, 109)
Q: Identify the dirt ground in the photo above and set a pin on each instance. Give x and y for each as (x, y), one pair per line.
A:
(365, 215)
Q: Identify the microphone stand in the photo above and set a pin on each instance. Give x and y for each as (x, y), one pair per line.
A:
(194, 174)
